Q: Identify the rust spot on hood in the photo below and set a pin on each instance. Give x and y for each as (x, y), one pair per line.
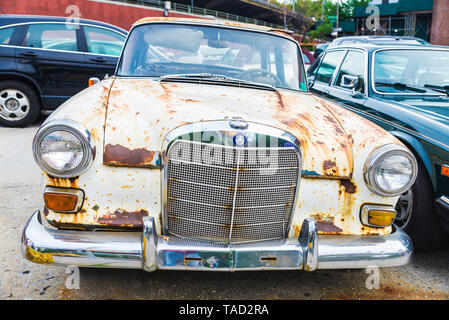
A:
(117, 155)
(122, 218)
(297, 113)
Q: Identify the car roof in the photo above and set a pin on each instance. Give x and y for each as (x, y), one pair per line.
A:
(378, 40)
(376, 46)
(9, 19)
(212, 21)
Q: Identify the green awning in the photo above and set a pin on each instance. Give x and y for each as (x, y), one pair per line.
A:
(392, 9)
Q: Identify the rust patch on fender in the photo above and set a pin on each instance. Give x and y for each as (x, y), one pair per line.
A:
(348, 186)
(330, 168)
(117, 155)
(122, 218)
(38, 257)
(325, 224)
(63, 182)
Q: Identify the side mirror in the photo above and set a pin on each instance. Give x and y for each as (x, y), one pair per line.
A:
(310, 81)
(93, 80)
(351, 82)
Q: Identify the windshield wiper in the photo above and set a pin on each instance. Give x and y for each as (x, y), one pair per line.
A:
(403, 86)
(217, 78)
(194, 76)
(442, 89)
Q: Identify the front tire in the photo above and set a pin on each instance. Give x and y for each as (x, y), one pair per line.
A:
(417, 215)
(19, 104)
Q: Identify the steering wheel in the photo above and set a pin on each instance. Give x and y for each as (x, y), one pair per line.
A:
(251, 74)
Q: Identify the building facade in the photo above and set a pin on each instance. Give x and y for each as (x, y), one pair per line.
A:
(396, 17)
(426, 19)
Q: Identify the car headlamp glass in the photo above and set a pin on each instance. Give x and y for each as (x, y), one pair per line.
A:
(63, 149)
(390, 170)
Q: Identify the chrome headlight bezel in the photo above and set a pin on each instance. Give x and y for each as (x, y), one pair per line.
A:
(79, 132)
(376, 158)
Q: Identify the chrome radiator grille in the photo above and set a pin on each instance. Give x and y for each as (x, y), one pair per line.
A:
(230, 194)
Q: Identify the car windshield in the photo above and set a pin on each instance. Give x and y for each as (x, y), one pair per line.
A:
(163, 50)
(411, 70)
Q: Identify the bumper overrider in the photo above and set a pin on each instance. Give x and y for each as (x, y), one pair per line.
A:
(149, 251)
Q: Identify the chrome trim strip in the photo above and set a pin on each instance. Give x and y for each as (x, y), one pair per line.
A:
(445, 199)
(357, 252)
(308, 237)
(224, 126)
(217, 206)
(145, 250)
(234, 197)
(231, 168)
(225, 225)
(231, 188)
(149, 244)
(82, 248)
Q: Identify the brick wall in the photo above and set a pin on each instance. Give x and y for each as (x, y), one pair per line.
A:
(121, 15)
(440, 23)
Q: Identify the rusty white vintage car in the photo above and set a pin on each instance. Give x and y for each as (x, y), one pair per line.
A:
(206, 151)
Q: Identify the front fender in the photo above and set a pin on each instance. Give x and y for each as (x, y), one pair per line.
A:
(418, 149)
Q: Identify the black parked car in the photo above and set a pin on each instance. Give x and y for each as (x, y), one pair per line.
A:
(46, 60)
(404, 89)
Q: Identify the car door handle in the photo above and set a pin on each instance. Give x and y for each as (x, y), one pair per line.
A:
(100, 60)
(28, 54)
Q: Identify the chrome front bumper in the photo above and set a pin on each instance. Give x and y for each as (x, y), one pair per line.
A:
(148, 251)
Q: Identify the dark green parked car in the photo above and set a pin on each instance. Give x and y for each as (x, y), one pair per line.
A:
(404, 89)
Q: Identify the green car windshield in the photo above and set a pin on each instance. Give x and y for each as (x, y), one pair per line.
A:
(411, 71)
(161, 50)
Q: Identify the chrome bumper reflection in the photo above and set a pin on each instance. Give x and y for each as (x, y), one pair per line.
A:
(146, 250)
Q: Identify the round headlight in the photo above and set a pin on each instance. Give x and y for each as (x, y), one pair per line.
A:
(63, 148)
(390, 170)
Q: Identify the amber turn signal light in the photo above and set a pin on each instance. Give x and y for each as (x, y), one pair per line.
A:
(93, 81)
(445, 170)
(66, 200)
(60, 201)
(379, 216)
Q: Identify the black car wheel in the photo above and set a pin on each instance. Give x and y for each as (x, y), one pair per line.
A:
(19, 104)
(417, 215)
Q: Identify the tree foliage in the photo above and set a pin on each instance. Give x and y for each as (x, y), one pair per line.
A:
(314, 9)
